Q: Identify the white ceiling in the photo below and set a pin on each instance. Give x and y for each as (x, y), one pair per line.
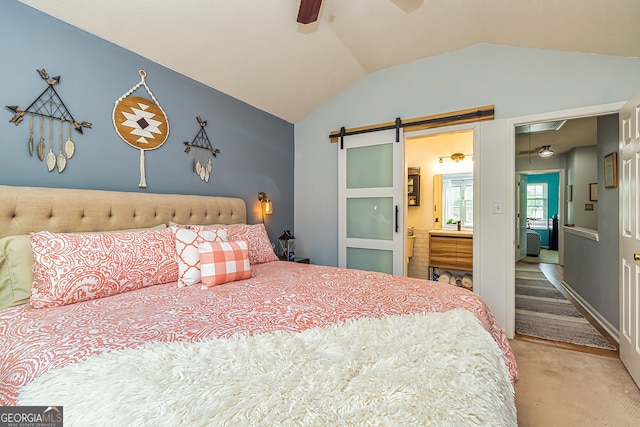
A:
(255, 51)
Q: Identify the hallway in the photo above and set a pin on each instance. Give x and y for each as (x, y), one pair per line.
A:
(545, 311)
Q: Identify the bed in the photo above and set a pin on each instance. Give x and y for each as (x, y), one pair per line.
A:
(250, 340)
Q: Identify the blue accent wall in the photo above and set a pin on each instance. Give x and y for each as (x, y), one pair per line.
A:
(553, 187)
(257, 148)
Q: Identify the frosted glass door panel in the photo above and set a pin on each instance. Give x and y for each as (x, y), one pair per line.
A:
(370, 167)
(371, 188)
(370, 218)
(370, 260)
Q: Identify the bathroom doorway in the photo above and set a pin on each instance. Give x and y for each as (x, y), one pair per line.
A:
(430, 156)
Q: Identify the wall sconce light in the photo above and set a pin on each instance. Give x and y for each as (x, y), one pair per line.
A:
(265, 203)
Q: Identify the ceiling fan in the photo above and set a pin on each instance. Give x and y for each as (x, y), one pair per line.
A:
(309, 10)
(542, 151)
(534, 150)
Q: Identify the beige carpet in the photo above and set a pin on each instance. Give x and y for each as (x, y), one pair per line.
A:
(567, 388)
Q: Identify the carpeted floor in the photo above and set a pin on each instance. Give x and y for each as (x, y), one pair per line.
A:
(567, 388)
(550, 257)
(543, 311)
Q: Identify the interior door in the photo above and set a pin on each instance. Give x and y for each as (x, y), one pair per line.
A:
(521, 222)
(629, 235)
(371, 202)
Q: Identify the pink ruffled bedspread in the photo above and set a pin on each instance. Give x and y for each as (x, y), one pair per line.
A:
(280, 296)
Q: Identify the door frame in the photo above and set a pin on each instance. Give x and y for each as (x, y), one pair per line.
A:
(574, 113)
(561, 205)
(475, 127)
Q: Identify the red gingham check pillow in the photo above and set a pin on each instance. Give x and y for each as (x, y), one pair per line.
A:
(222, 262)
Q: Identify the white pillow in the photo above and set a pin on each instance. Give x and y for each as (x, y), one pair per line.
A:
(188, 257)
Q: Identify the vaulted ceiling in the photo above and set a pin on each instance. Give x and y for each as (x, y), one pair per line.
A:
(254, 50)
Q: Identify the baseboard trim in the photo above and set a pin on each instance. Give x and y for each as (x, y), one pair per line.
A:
(567, 346)
(595, 315)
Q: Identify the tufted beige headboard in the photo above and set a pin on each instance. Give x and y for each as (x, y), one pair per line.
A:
(27, 209)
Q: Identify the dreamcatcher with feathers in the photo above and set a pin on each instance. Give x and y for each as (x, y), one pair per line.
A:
(203, 150)
(49, 108)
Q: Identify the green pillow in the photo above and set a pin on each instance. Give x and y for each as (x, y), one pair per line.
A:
(16, 260)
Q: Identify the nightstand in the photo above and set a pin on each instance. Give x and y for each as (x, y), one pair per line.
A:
(299, 260)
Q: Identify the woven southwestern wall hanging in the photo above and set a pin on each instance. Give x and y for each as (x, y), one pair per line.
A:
(49, 105)
(140, 122)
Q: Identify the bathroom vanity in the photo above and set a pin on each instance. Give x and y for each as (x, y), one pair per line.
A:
(451, 249)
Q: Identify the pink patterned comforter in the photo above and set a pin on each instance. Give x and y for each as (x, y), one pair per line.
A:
(280, 296)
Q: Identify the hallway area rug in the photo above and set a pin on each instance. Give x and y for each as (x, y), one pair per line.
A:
(542, 311)
(546, 255)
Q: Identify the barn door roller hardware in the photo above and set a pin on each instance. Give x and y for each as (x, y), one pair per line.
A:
(419, 123)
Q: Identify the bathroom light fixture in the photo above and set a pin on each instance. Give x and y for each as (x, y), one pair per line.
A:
(455, 157)
(265, 204)
(546, 151)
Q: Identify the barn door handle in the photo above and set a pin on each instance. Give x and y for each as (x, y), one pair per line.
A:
(397, 225)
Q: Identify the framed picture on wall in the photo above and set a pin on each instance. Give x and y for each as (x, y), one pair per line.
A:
(611, 170)
(593, 192)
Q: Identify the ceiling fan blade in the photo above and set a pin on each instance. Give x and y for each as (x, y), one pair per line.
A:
(532, 151)
(309, 10)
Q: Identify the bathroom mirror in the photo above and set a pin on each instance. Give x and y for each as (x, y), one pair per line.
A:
(453, 200)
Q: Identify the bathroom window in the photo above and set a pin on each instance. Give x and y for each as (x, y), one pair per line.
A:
(537, 202)
(457, 199)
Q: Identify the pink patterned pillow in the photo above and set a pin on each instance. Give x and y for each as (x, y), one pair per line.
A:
(222, 262)
(187, 240)
(69, 268)
(260, 249)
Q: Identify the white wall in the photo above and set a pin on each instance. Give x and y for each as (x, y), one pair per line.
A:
(518, 81)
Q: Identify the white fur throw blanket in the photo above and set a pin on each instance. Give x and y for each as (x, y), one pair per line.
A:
(431, 369)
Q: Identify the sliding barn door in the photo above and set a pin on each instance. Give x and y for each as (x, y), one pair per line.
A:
(629, 235)
(371, 202)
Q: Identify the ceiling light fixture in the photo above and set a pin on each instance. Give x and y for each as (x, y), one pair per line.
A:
(456, 157)
(546, 151)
